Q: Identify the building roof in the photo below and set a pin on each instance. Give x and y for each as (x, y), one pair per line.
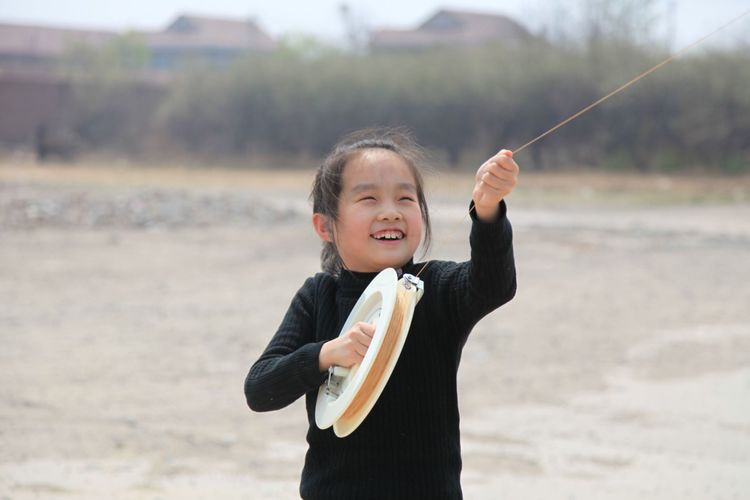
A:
(185, 32)
(43, 41)
(453, 28)
(197, 31)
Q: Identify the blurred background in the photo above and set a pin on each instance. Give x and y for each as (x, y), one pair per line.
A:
(155, 163)
(76, 81)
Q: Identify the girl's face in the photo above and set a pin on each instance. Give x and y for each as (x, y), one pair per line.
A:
(380, 221)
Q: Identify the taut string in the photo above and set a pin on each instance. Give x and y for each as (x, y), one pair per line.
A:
(631, 82)
(617, 91)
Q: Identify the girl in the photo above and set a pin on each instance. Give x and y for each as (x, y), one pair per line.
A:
(370, 212)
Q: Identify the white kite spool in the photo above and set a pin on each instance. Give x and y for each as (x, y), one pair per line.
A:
(348, 395)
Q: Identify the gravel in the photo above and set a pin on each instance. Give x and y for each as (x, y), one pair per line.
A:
(26, 206)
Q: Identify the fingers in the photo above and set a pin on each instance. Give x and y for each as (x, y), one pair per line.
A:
(496, 177)
(366, 328)
(499, 171)
(487, 193)
(504, 154)
(354, 343)
(362, 333)
(348, 349)
(505, 162)
(499, 165)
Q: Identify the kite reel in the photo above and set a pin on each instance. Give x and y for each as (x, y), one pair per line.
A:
(348, 394)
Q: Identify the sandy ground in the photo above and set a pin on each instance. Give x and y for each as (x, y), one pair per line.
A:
(132, 302)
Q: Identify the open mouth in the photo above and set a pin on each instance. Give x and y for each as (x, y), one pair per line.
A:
(388, 235)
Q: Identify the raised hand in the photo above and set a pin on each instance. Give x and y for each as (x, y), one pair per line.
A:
(495, 179)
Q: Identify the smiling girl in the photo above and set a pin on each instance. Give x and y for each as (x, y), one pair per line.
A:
(370, 213)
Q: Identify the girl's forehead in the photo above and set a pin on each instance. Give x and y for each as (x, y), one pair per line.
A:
(377, 166)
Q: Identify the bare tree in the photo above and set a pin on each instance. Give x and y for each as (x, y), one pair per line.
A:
(628, 21)
(356, 29)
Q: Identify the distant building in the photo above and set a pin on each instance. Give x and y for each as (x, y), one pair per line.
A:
(40, 48)
(217, 41)
(453, 28)
(36, 99)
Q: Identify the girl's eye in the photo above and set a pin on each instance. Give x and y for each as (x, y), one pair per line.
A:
(408, 198)
(367, 198)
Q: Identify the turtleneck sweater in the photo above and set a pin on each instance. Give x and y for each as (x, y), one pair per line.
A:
(409, 445)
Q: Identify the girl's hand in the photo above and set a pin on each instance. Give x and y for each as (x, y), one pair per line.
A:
(347, 349)
(495, 179)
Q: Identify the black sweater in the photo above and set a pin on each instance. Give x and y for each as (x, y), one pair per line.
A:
(409, 445)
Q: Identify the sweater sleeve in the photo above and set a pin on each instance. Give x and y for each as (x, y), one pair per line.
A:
(288, 367)
(474, 288)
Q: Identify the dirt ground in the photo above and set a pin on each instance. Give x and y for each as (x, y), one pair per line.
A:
(133, 300)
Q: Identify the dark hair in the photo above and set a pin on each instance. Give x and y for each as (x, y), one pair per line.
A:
(328, 180)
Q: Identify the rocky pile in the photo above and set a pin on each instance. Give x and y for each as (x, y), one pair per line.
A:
(31, 206)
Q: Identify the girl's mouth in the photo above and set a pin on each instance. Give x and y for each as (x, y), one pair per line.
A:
(388, 235)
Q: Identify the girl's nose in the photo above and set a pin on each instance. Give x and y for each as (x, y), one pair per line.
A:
(389, 213)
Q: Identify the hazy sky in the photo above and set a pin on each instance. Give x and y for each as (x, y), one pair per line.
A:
(692, 18)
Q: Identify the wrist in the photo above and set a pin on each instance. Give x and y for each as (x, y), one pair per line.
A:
(487, 213)
(324, 362)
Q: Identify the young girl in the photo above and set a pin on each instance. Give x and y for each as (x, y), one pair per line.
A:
(370, 212)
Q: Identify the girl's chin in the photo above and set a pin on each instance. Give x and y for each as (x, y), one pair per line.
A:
(378, 265)
(394, 263)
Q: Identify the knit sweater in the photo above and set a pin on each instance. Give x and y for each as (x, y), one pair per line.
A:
(409, 444)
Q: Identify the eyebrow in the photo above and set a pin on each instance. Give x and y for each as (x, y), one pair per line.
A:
(407, 186)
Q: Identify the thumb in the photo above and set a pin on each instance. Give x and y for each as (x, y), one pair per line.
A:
(368, 329)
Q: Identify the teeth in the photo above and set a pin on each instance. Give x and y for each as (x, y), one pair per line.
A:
(389, 235)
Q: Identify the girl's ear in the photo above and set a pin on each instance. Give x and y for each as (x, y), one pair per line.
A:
(322, 226)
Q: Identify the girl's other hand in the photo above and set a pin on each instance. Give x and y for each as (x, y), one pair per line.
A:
(348, 349)
(495, 179)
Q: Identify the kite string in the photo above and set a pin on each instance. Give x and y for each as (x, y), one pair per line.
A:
(395, 321)
(631, 82)
(617, 91)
